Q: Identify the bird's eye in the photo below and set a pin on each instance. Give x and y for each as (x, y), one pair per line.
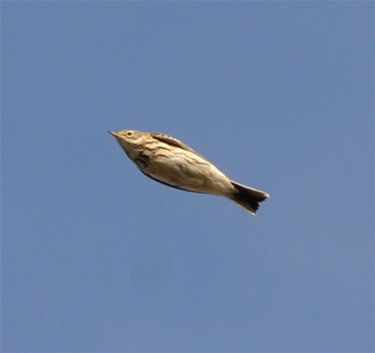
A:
(129, 133)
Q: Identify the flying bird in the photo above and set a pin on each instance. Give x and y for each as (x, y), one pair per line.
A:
(173, 163)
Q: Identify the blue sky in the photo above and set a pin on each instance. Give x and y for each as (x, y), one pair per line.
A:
(98, 258)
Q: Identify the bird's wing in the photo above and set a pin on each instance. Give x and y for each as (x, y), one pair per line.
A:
(172, 141)
(170, 185)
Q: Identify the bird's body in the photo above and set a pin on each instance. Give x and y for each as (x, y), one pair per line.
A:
(170, 161)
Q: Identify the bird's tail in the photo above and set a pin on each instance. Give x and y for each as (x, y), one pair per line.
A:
(247, 197)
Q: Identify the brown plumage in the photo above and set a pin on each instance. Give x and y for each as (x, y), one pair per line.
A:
(173, 163)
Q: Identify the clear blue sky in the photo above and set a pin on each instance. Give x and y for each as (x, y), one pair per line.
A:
(98, 258)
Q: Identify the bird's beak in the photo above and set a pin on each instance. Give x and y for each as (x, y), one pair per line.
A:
(115, 134)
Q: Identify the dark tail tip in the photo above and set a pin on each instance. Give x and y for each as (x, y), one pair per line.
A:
(247, 197)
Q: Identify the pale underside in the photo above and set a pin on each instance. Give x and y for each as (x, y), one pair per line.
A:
(187, 170)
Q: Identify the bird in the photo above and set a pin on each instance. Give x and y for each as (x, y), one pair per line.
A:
(169, 161)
